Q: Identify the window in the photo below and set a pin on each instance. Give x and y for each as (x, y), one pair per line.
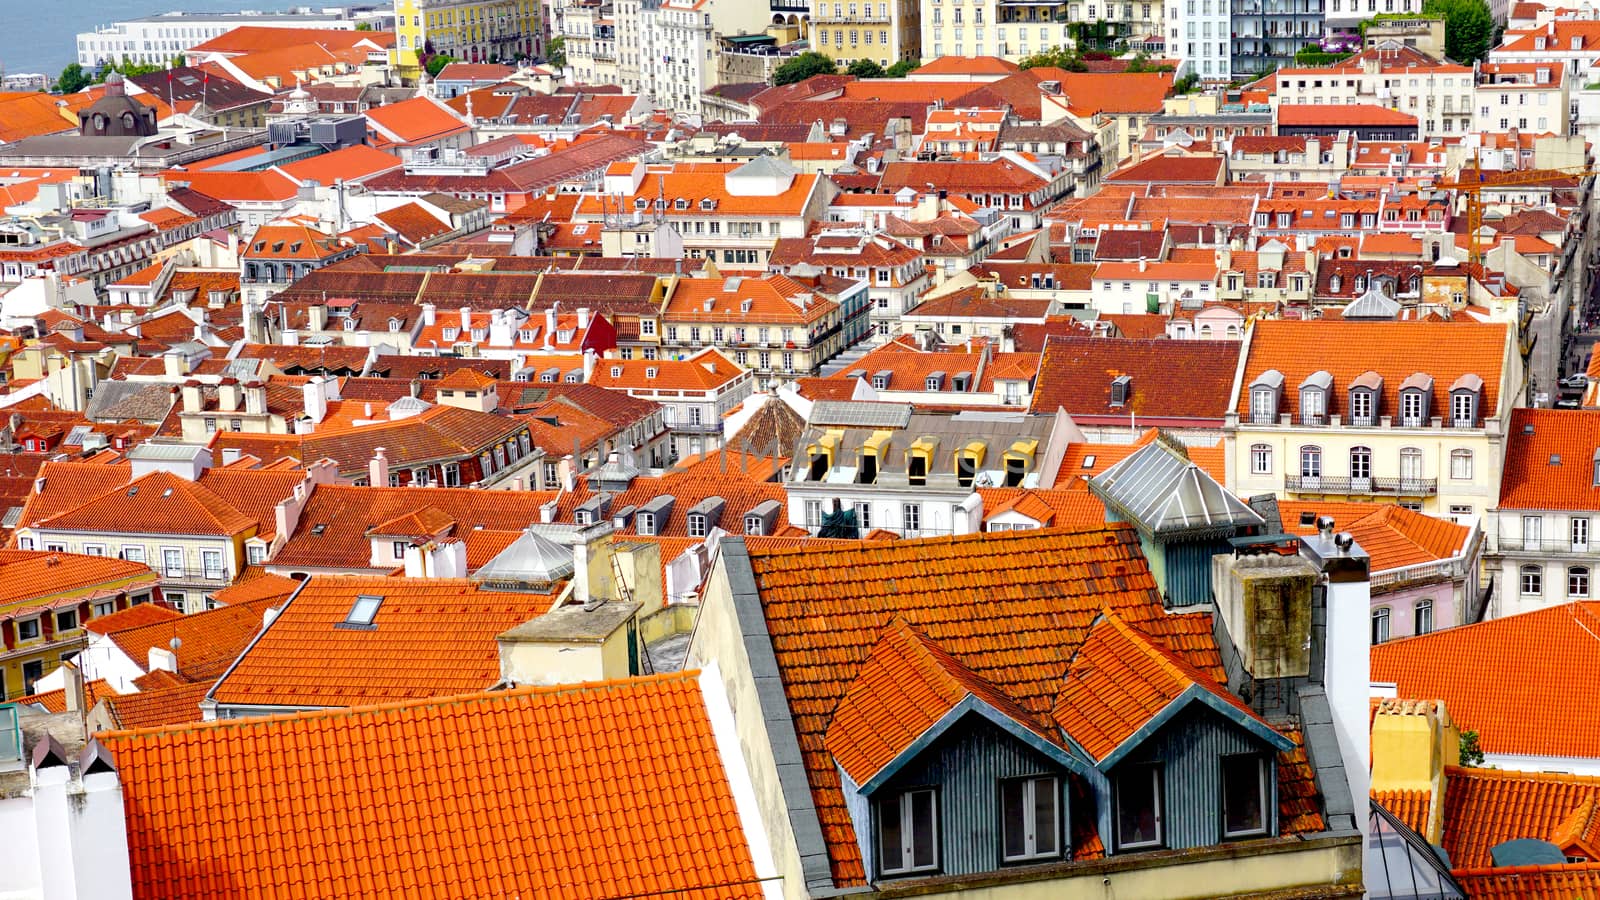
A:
(911, 518)
(28, 629)
(1460, 514)
(908, 832)
(1030, 820)
(364, 610)
(398, 548)
(1422, 617)
(94, 550)
(255, 554)
(1410, 467)
(1260, 459)
(1361, 407)
(1380, 624)
(1244, 795)
(1263, 406)
(133, 553)
(697, 525)
(1578, 582)
(863, 516)
(66, 620)
(1461, 465)
(1580, 534)
(1463, 409)
(1532, 581)
(1310, 462)
(1361, 464)
(211, 564)
(1531, 528)
(172, 563)
(1138, 804)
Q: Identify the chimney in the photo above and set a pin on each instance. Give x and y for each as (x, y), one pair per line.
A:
(163, 659)
(550, 328)
(1412, 743)
(378, 468)
(72, 682)
(1143, 264)
(318, 316)
(193, 399)
(565, 474)
(592, 581)
(174, 364)
(1344, 568)
(255, 398)
(583, 317)
(589, 359)
(466, 321)
(80, 824)
(316, 401)
(228, 395)
(430, 314)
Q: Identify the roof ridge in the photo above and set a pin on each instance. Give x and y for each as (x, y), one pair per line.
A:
(1519, 775)
(449, 700)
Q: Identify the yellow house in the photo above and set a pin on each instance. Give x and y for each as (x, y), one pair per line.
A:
(45, 599)
(1409, 412)
(884, 31)
(469, 30)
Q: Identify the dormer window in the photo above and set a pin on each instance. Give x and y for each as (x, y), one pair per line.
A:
(1464, 401)
(451, 332)
(697, 525)
(908, 832)
(645, 523)
(880, 381)
(1121, 387)
(1265, 394)
(1365, 393)
(1314, 398)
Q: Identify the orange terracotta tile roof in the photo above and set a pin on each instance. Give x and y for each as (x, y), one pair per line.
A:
(132, 617)
(1409, 806)
(332, 531)
(56, 701)
(68, 485)
(1299, 802)
(580, 773)
(349, 163)
(1169, 379)
(740, 491)
(31, 577)
(1028, 635)
(165, 706)
(443, 628)
(1494, 677)
(906, 686)
(1395, 350)
(234, 187)
(414, 223)
(695, 182)
(1345, 114)
(1393, 536)
(1548, 459)
(708, 370)
(210, 640)
(1119, 680)
(1052, 508)
(1568, 882)
(1487, 807)
(774, 298)
(259, 586)
(160, 503)
(25, 114)
(439, 434)
(292, 239)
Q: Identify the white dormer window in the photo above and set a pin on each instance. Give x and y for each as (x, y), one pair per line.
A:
(525, 335)
(933, 384)
(650, 372)
(640, 203)
(616, 371)
(349, 324)
(1463, 409)
(697, 525)
(880, 382)
(645, 523)
(479, 334)
(451, 332)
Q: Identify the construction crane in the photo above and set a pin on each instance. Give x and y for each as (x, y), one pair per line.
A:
(1471, 182)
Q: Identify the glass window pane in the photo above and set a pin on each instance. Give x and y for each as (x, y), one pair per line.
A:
(923, 833)
(1045, 797)
(1242, 811)
(1136, 807)
(1013, 818)
(889, 840)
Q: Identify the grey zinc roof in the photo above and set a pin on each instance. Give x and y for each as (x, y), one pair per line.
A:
(851, 413)
(1372, 305)
(1163, 492)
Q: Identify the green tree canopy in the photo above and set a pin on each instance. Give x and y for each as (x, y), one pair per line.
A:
(1059, 57)
(72, 79)
(1468, 28)
(436, 64)
(866, 68)
(1471, 751)
(802, 67)
(555, 52)
(902, 68)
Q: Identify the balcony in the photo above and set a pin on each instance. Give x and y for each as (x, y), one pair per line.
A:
(1518, 544)
(194, 575)
(1375, 487)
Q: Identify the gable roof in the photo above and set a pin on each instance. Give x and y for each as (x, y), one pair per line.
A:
(162, 706)
(1033, 618)
(444, 629)
(1393, 536)
(1494, 677)
(1121, 685)
(160, 503)
(209, 640)
(532, 792)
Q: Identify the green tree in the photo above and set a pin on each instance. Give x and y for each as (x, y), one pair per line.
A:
(436, 64)
(1468, 28)
(1188, 84)
(1058, 57)
(72, 79)
(129, 69)
(1471, 753)
(555, 52)
(866, 68)
(901, 69)
(363, 26)
(802, 67)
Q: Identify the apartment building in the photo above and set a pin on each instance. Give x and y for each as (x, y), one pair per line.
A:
(1015, 30)
(1268, 33)
(469, 30)
(1438, 94)
(589, 32)
(159, 38)
(1412, 412)
(774, 326)
(695, 391)
(1530, 97)
(678, 45)
(1541, 550)
(893, 272)
(884, 31)
(1200, 30)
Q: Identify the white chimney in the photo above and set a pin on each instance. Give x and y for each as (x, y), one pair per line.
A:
(378, 468)
(79, 826)
(163, 660)
(316, 402)
(583, 317)
(589, 359)
(466, 321)
(429, 314)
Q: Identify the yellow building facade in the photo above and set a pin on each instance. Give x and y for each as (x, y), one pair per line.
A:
(884, 31)
(469, 30)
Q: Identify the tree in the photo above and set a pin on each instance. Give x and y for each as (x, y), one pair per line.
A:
(555, 52)
(72, 79)
(1468, 28)
(363, 26)
(1139, 63)
(866, 68)
(901, 69)
(1188, 84)
(1471, 753)
(436, 64)
(128, 68)
(802, 67)
(1058, 57)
